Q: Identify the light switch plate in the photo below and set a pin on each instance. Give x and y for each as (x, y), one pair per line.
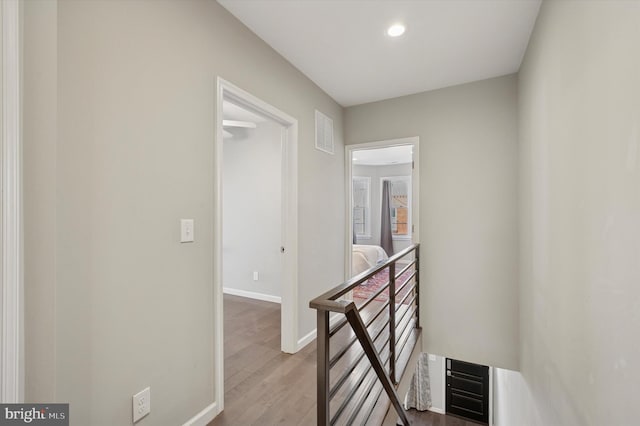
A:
(141, 404)
(187, 231)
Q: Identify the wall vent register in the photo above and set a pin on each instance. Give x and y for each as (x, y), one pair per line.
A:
(324, 133)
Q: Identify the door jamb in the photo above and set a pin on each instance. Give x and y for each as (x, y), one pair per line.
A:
(415, 189)
(12, 285)
(289, 306)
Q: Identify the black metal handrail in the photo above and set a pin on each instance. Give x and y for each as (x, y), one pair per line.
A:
(375, 353)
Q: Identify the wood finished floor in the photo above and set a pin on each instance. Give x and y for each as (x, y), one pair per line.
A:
(264, 386)
(429, 418)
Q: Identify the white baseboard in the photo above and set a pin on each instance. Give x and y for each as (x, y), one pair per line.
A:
(252, 295)
(437, 410)
(205, 416)
(305, 340)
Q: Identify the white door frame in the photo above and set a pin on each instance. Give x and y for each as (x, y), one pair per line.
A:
(414, 141)
(289, 306)
(12, 304)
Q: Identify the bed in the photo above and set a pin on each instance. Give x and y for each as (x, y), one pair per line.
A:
(365, 257)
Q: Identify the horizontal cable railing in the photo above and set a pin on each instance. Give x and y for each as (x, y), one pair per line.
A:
(381, 307)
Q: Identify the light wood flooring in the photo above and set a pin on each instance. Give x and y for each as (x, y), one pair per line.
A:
(264, 386)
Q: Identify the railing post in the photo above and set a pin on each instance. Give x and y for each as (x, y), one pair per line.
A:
(324, 416)
(392, 323)
(417, 266)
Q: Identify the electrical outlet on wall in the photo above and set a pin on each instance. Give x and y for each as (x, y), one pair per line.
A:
(255, 275)
(141, 404)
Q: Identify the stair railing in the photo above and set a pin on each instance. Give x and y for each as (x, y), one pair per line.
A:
(378, 339)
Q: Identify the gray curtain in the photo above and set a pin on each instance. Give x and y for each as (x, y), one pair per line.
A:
(386, 241)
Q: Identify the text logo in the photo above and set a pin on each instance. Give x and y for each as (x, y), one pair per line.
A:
(34, 414)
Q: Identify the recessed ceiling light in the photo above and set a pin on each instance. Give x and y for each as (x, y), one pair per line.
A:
(396, 30)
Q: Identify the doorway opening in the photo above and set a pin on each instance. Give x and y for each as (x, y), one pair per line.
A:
(382, 186)
(251, 204)
(255, 223)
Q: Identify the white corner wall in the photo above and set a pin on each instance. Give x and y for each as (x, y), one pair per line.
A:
(252, 211)
(468, 212)
(119, 146)
(579, 115)
(438, 383)
(512, 400)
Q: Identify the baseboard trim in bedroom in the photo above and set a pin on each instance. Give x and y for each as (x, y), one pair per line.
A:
(437, 410)
(204, 417)
(252, 295)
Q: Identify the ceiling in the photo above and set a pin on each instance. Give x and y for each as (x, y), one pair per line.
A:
(399, 154)
(343, 46)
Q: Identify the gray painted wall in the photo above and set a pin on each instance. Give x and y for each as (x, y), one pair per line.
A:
(119, 110)
(40, 129)
(579, 114)
(375, 173)
(252, 216)
(468, 212)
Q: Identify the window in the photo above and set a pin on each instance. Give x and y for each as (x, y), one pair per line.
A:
(400, 204)
(362, 206)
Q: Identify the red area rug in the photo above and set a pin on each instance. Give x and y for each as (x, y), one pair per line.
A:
(375, 283)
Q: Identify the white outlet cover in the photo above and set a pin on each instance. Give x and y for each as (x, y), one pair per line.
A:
(141, 404)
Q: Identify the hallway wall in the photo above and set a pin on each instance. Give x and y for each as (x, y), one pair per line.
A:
(579, 114)
(119, 146)
(40, 137)
(468, 212)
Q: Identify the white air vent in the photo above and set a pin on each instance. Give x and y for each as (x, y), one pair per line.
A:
(324, 133)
